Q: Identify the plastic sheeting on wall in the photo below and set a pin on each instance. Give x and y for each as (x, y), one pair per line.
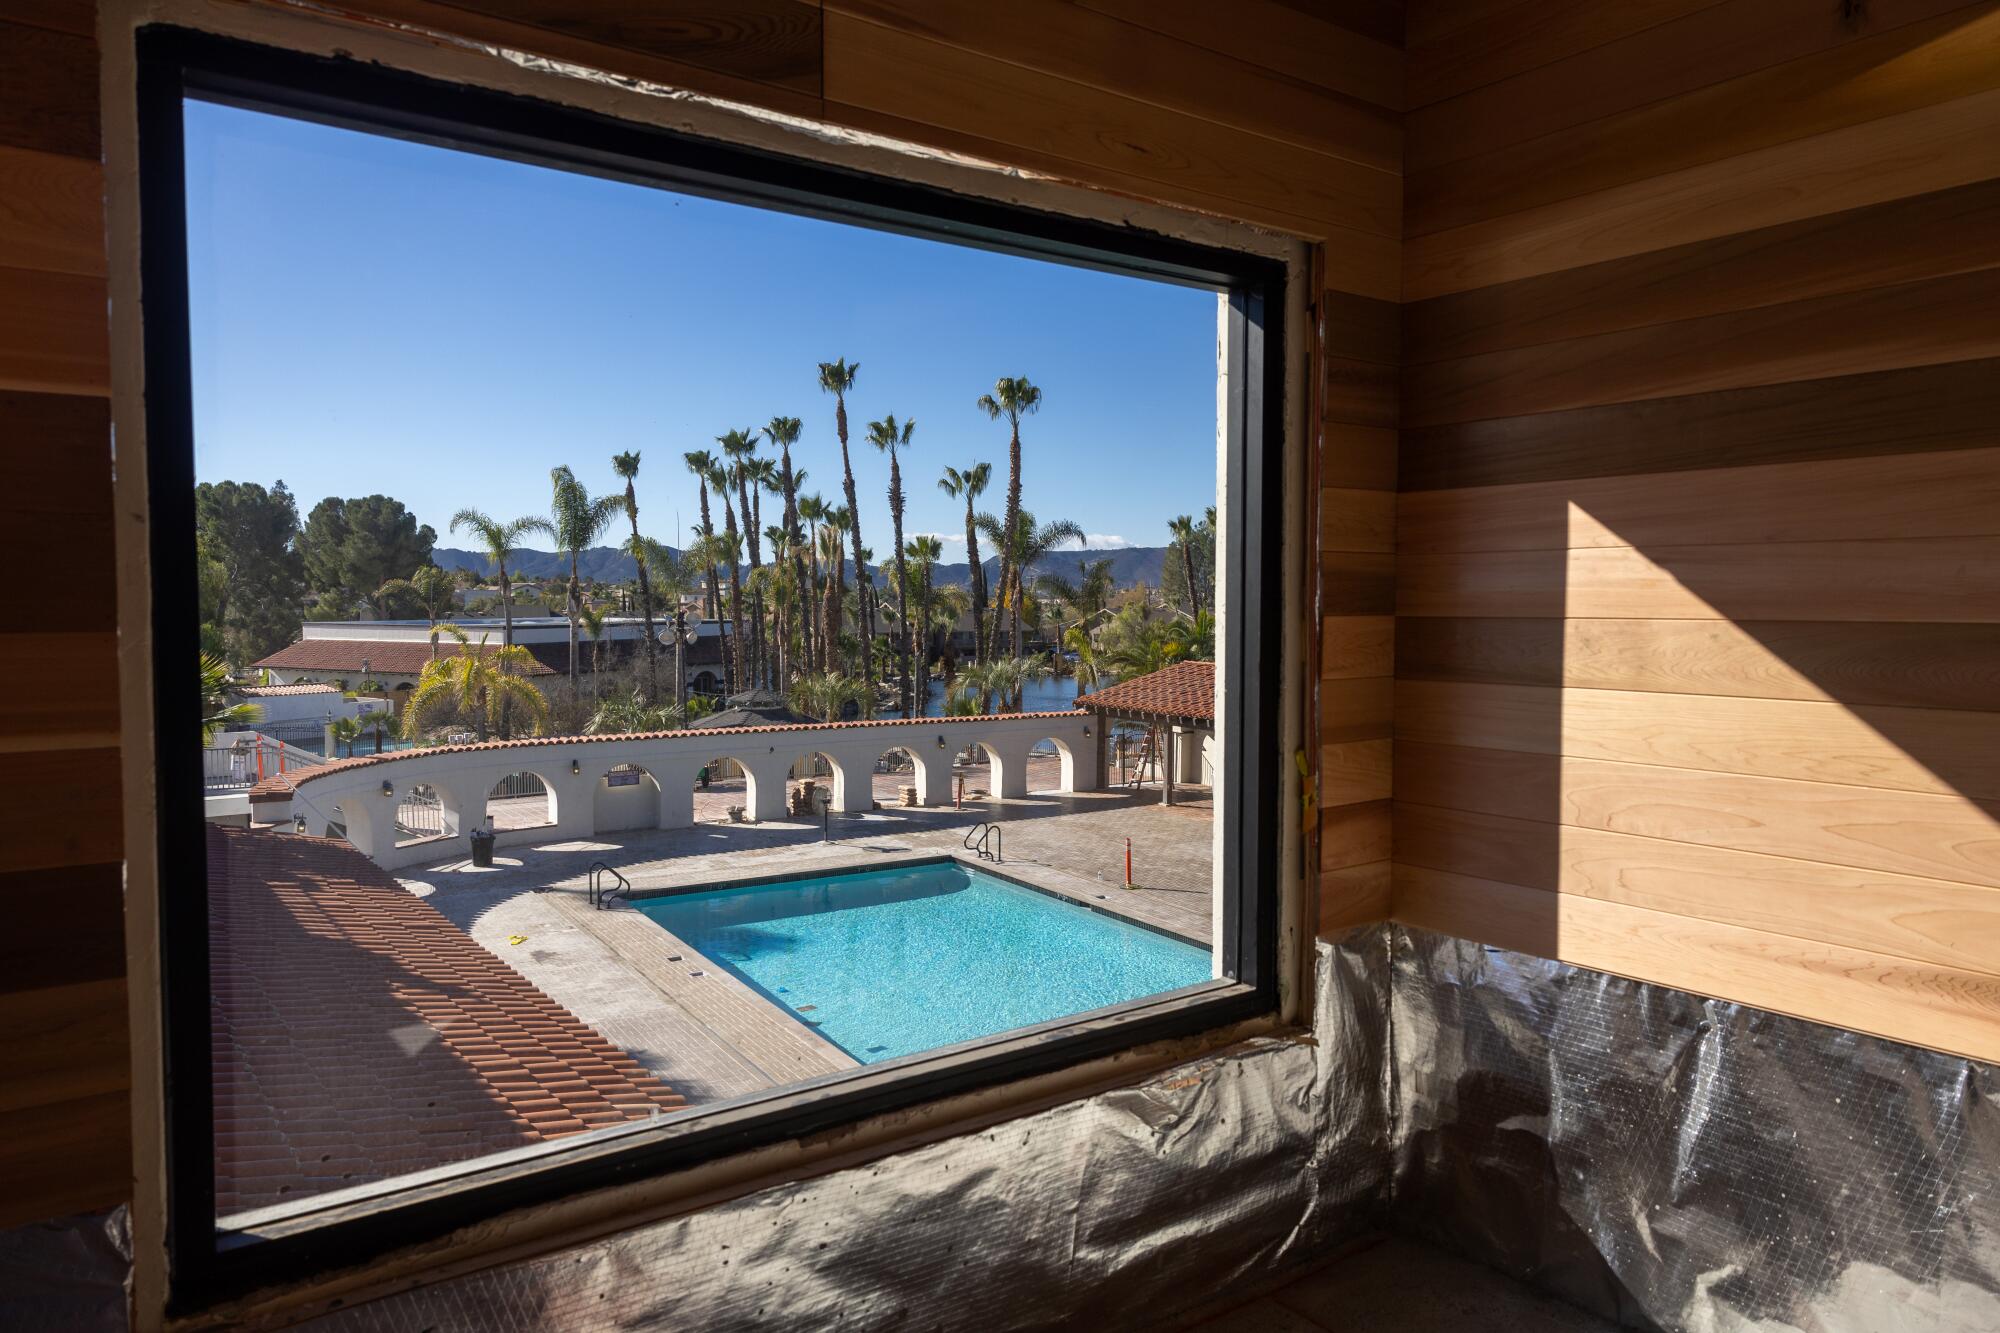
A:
(1686, 1163)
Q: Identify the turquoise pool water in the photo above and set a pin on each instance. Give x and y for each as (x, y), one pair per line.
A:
(890, 962)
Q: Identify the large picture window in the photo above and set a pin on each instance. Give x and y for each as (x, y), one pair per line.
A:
(695, 646)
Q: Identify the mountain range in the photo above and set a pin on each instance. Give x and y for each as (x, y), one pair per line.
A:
(1130, 565)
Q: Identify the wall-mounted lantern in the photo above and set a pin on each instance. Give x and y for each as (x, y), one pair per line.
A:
(575, 767)
(388, 788)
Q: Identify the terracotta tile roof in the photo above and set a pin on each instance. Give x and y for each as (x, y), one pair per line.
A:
(384, 657)
(1183, 692)
(360, 1035)
(279, 785)
(280, 691)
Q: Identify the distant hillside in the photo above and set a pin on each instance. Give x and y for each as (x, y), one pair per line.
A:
(607, 564)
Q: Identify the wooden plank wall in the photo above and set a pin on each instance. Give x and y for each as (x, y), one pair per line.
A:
(1279, 116)
(62, 954)
(1698, 575)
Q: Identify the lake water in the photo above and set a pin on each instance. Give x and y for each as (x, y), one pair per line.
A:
(1054, 695)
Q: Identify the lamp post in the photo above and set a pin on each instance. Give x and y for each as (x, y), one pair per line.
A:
(682, 636)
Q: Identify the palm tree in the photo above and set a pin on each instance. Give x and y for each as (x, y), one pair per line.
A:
(1012, 398)
(812, 509)
(762, 475)
(1077, 639)
(837, 378)
(673, 577)
(888, 436)
(840, 523)
(702, 463)
(971, 483)
(576, 519)
(627, 466)
(433, 589)
(471, 683)
(784, 432)
(1029, 545)
(345, 731)
(500, 541)
(217, 713)
(1088, 596)
(1182, 529)
(723, 479)
(738, 446)
(1005, 678)
(826, 695)
(626, 713)
(924, 553)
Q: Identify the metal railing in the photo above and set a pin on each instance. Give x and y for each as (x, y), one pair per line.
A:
(248, 762)
(978, 836)
(518, 784)
(600, 895)
(420, 814)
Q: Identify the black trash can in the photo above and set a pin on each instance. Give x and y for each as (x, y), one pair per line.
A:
(482, 847)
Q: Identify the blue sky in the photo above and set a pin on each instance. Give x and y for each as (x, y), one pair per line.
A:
(372, 315)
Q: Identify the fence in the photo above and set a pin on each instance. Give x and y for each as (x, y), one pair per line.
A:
(518, 784)
(420, 814)
(248, 758)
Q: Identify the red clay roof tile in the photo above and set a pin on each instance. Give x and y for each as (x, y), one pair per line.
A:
(1183, 692)
(346, 1013)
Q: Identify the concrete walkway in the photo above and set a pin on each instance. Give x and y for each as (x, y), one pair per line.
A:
(707, 1034)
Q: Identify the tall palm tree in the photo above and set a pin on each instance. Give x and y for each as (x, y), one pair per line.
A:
(737, 447)
(733, 548)
(840, 526)
(837, 378)
(1183, 532)
(627, 466)
(762, 475)
(471, 683)
(576, 519)
(1012, 397)
(971, 483)
(812, 509)
(702, 463)
(499, 541)
(784, 433)
(924, 553)
(1029, 544)
(889, 436)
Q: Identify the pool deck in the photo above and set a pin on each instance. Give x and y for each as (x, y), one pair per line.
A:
(710, 1036)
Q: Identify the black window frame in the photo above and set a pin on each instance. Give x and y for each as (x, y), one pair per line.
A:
(207, 1266)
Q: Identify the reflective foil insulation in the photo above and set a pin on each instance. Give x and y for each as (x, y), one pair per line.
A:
(1683, 1163)
(1673, 1162)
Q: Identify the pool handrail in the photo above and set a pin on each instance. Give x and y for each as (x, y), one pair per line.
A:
(599, 895)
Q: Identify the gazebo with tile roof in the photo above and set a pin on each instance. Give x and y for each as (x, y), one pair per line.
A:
(1179, 699)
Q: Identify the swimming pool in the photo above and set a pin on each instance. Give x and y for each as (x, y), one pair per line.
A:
(891, 962)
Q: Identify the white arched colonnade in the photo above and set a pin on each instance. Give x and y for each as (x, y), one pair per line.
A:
(362, 794)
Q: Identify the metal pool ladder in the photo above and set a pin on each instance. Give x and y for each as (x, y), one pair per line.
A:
(979, 835)
(602, 894)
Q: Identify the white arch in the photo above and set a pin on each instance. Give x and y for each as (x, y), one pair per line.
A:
(1066, 781)
(636, 805)
(549, 785)
(839, 777)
